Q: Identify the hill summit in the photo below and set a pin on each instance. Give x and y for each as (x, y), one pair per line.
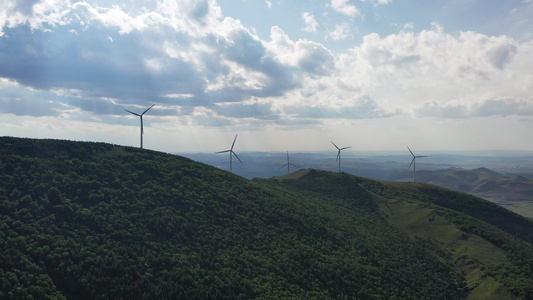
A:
(99, 221)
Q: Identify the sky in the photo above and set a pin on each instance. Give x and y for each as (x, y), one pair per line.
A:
(285, 75)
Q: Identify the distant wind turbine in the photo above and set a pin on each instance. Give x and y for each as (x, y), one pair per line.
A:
(230, 155)
(339, 154)
(288, 164)
(413, 162)
(141, 116)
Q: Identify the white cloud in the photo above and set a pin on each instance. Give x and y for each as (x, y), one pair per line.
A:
(306, 56)
(471, 56)
(466, 108)
(344, 8)
(378, 2)
(195, 17)
(341, 32)
(310, 22)
(237, 76)
(187, 57)
(430, 70)
(189, 16)
(35, 13)
(409, 25)
(363, 107)
(180, 48)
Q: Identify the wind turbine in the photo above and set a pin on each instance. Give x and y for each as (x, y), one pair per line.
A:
(339, 154)
(288, 164)
(141, 116)
(230, 155)
(413, 162)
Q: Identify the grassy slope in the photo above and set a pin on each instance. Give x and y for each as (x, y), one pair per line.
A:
(87, 220)
(440, 216)
(434, 213)
(468, 251)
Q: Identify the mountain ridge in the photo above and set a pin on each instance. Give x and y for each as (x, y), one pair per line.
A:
(92, 220)
(511, 191)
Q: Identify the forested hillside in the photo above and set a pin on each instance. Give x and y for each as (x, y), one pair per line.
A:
(97, 221)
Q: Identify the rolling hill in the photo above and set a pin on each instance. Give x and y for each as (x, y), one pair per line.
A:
(98, 221)
(514, 192)
(511, 186)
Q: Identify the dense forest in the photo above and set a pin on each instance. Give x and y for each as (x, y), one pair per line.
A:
(86, 220)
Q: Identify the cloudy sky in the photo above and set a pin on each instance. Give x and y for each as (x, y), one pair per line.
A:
(283, 74)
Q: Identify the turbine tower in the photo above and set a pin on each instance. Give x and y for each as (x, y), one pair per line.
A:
(230, 155)
(339, 154)
(413, 162)
(288, 164)
(141, 116)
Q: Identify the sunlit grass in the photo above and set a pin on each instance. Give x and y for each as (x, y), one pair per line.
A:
(469, 252)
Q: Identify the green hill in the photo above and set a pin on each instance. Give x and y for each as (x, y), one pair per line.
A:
(512, 192)
(98, 221)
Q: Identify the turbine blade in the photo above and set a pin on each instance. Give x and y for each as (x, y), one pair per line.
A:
(223, 151)
(147, 109)
(334, 145)
(422, 156)
(283, 166)
(234, 142)
(236, 156)
(411, 163)
(338, 155)
(410, 151)
(133, 113)
(293, 165)
(345, 148)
